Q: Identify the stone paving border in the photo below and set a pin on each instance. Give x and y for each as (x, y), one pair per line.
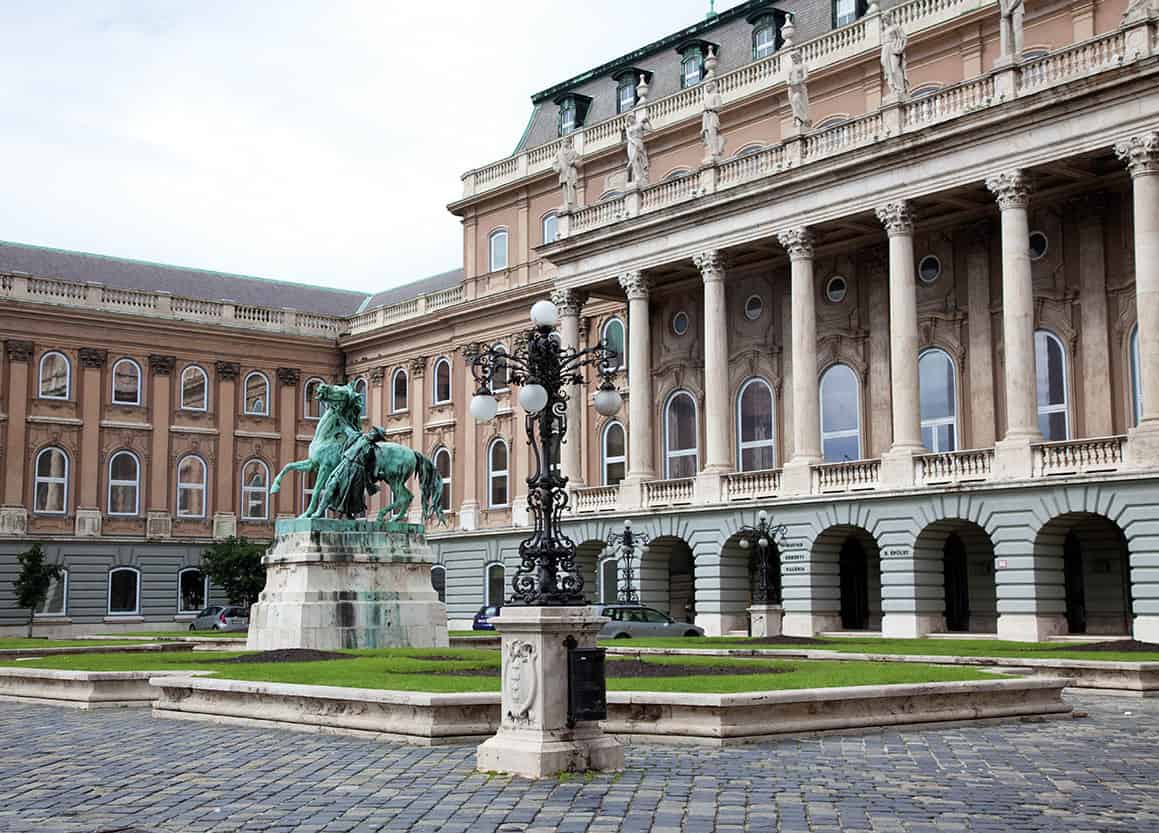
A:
(81, 690)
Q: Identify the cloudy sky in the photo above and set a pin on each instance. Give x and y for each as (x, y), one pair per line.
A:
(309, 141)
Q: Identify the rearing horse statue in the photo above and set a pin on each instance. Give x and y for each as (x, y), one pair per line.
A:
(348, 464)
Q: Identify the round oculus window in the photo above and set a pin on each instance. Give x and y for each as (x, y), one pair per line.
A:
(680, 323)
(929, 269)
(753, 307)
(1038, 246)
(836, 289)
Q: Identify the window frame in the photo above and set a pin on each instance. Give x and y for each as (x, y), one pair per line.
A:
(552, 217)
(307, 399)
(203, 487)
(487, 601)
(204, 591)
(40, 395)
(741, 443)
(1054, 408)
(605, 458)
(691, 55)
(840, 433)
(135, 484)
(1134, 358)
(109, 612)
(264, 490)
(499, 346)
(181, 387)
(623, 339)
(443, 594)
(493, 473)
(448, 479)
(492, 237)
(628, 82)
(860, 8)
(934, 422)
(442, 362)
(307, 488)
(669, 454)
(566, 106)
(361, 386)
(245, 408)
(63, 612)
(394, 409)
(764, 23)
(64, 480)
(113, 382)
(603, 585)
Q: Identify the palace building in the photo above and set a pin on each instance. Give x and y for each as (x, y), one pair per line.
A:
(889, 273)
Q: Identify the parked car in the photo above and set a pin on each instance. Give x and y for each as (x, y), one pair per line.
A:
(221, 618)
(483, 618)
(641, 621)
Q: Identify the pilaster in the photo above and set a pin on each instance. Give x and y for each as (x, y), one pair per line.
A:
(569, 303)
(88, 477)
(468, 435)
(228, 485)
(288, 399)
(15, 515)
(159, 518)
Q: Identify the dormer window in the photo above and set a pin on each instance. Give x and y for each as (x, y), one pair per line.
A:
(627, 81)
(572, 110)
(764, 37)
(691, 67)
(847, 11)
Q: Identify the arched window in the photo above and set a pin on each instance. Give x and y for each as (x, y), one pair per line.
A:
(497, 473)
(191, 487)
(1050, 375)
(748, 150)
(614, 335)
(834, 120)
(51, 481)
(499, 372)
(55, 376)
(497, 250)
(927, 89)
(124, 484)
(1136, 377)
(398, 390)
(676, 174)
(257, 394)
(56, 600)
(609, 581)
(255, 476)
(439, 581)
(308, 480)
(126, 382)
(194, 389)
(754, 426)
(691, 67)
(124, 591)
(764, 37)
(360, 389)
(192, 591)
(550, 227)
(496, 577)
(442, 461)
(938, 392)
(680, 434)
(608, 196)
(442, 377)
(311, 405)
(614, 453)
(840, 415)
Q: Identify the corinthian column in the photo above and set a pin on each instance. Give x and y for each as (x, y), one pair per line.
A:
(806, 396)
(641, 465)
(903, 343)
(569, 303)
(1013, 193)
(716, 400)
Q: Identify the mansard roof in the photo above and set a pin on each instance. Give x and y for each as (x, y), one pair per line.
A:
(433, 283)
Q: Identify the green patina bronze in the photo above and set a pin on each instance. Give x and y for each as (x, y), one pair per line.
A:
(348, 465)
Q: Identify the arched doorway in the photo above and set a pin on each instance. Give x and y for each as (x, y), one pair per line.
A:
(666, 578)
(853, 564)
(854, 567)
(587, 558)
(739, 584)
(1095, 563)
(963, 554)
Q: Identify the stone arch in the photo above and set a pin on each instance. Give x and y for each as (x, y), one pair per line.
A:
(588, 555)
(956, 555)
(739, 584)
(1092, 555)
(848, 556)
(667, 577)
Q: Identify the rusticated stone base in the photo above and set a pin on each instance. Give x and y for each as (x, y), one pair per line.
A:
(333, 584)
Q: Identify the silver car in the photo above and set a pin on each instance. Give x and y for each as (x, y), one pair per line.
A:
(641, 621)
(221, 618)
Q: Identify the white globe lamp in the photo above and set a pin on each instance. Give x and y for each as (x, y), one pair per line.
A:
(544, 314)
(484, 407)
(533, 398)
(608, 401)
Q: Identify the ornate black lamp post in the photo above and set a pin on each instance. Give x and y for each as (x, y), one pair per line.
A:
(543, 368)
(625, 543)
(762, 538)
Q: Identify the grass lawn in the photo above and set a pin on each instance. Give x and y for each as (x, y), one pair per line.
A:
(38, 643)
(411, 669)
(882, 645)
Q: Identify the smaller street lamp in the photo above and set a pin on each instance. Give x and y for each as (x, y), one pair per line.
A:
(762, 538)
(625, 544)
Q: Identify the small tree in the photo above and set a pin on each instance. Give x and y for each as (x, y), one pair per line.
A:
(34, 581)
(235, 564)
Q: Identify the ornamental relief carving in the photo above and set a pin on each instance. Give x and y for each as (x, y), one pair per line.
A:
(520, 680)
(41, 436)
(1059, 317)
(845, 348)
(1047, 272)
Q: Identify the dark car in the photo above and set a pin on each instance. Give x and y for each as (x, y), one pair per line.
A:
(483, 618)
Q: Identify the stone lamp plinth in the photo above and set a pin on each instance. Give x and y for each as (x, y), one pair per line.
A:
(766, 620)
(535, 737)
(340, 584)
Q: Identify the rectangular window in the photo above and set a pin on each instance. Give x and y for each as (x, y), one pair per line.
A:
(844, 12)
(626, 98)
(56, 601)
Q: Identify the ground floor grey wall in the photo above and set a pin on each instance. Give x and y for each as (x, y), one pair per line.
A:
(1014, 538)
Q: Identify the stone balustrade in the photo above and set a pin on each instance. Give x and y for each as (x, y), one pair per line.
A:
(598, 499)
(847, 476)
(670, 493)
(748, 486)
(1086, 58)
(949, 103)
(966, 466)
(1079, 457)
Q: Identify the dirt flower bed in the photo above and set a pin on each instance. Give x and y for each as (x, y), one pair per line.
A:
(1111, 646)
(285, 656)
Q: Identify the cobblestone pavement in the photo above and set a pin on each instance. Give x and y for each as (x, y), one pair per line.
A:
(65, 770)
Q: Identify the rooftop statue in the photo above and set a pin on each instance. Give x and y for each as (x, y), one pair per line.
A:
(893, 44)
(798, 92)
(348, 465)
(1012, 12)
(566, 165)
(638, 124)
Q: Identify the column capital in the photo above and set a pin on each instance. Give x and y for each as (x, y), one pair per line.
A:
(377, 375)
(568, 302)
(897, 217)
(798, 242)
(711, 264)
(418, 366)
(289, 376)
(1011, 188)
(162, 365)
(1140, 153)
(227, 371)
(636, 284)
(92, 357)
(19, 350)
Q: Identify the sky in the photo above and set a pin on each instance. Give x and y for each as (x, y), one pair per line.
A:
(306, 141)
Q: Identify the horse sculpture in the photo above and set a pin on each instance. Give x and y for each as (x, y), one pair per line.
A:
(349, 464)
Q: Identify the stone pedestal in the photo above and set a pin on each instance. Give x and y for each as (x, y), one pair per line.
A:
(13, 521)
(1030, 628)
(88, 523)
(804, 624)
(910, 625)
(335, 584)
(534, 738)
(766, 620)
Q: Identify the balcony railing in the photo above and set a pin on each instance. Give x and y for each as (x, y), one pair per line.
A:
(847, 476)
(598, 499)
(966, 466)
(668, 493)
(746, 486)
(1079, 457)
